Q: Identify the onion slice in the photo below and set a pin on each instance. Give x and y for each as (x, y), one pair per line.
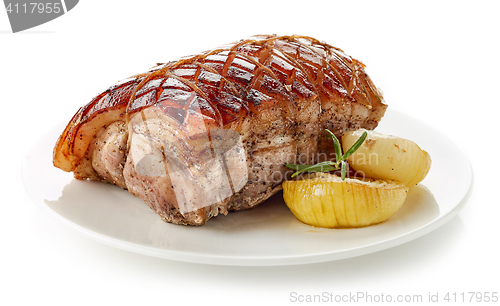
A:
(388, 157)
(325, 200)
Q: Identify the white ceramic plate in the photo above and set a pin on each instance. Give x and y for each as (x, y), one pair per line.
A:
(266, 235)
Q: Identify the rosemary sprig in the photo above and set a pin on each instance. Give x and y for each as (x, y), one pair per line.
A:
(327, 166)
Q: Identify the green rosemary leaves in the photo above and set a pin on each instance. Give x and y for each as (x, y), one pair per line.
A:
(327, 166)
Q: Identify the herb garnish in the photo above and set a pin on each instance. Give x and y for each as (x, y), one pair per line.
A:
(329, 165)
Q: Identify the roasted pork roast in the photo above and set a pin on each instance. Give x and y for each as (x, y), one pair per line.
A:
(211, 133)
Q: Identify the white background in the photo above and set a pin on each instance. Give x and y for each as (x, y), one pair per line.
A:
(436, 60)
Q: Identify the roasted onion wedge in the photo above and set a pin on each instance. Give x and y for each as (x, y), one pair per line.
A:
(388, 157)
(324, 200)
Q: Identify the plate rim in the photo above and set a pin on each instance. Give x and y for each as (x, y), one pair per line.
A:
(231, 260)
